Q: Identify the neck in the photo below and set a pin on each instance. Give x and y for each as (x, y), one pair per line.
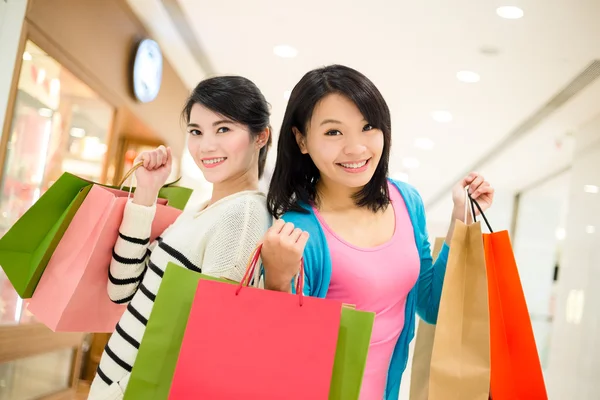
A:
(335, 197)
(246, 181)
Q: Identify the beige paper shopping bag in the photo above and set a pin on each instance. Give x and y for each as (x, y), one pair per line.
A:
(460, 362)
(419, 374)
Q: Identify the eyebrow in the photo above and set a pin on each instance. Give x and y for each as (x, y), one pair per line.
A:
(330, 121)
(222, 121)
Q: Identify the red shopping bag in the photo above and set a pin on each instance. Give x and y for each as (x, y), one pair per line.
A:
(247, 343)
(72, 294)
(516, 372)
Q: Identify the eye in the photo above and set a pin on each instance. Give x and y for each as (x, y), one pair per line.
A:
(195, 132)
(368, 127)
(223, 129)
(333, 132)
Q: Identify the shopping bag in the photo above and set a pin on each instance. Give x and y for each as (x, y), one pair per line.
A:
(243, 342)
(419, 374)
(27, 247)
(72, 293)
(156, 359)
(351, 353)
(157, 356)
(460, 361)
(516, 368)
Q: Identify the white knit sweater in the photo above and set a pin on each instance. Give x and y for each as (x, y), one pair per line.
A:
(217, 240)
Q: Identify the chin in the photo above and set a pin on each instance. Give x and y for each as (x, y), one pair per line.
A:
(213, 178)
(356, 182)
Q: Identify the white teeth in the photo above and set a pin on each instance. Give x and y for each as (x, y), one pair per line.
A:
(213, 161)
(354, 165)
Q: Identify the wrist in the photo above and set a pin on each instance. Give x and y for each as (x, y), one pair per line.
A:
(278, 285)
(458, 213)
(145, 197)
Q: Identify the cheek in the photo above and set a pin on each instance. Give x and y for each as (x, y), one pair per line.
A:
(323, 152)
(192, 144)
(376, 144)
(237, 145)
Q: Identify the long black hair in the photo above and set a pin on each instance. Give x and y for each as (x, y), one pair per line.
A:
(295, 175)
(238, 99)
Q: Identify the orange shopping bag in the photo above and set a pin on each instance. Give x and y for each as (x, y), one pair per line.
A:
(516, 369)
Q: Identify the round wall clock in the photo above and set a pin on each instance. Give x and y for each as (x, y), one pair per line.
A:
(147, 70)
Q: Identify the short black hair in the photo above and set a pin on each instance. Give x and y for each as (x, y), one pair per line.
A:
(295, 175)
(238, 99)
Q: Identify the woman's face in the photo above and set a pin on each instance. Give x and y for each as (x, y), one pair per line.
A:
(221, 148)
(343, 145)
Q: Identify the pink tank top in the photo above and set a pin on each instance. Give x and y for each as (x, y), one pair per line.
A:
(377, 279)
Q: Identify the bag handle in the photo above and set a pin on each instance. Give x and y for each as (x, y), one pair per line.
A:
(476, 204)
(129, 173)
(251, 267)
(133, 169)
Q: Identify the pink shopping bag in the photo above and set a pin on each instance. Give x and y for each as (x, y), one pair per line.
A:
(72, 294)
(248, 343)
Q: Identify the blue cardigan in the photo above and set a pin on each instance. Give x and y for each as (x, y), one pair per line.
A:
(424, 298)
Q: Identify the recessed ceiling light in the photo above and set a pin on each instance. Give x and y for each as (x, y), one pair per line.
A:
(510, 12)
(287, 94)
(468, 76)
(590, 229)
(561, 234)
(285, 51)
(27, 56)
(410, 163)
(400, 176)
(441, 116)
(593, 189)
(424, 143)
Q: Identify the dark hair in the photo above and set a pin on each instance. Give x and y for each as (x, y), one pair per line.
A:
(295, 175)
(238, 99)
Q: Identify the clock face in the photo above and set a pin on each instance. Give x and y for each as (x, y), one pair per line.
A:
(147, 71)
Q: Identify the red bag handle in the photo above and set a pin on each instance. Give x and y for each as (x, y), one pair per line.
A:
(251, 267)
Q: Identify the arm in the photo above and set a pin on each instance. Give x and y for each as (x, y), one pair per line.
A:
(431, 275)
(130, 253)
(230, 247)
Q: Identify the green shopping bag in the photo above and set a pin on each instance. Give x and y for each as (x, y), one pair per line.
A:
(27, 247)
(159, 350)
(351, 353)
(155, 363)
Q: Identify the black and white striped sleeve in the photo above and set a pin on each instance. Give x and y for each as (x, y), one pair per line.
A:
(131, 252)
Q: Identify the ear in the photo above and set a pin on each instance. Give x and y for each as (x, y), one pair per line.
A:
(301, 140)
(263, 138)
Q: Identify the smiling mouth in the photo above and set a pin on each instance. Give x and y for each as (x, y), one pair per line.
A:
(354, 165)
(213, 161)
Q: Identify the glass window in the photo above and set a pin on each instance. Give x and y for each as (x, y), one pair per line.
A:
(59, 125)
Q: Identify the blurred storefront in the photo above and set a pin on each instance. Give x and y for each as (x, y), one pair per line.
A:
(72, 108)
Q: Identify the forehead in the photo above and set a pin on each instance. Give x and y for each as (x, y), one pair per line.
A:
(337, 107)
(200, 114)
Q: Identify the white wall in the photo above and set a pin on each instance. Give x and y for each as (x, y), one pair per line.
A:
(12, 14)
(535, 245)
(574, 356)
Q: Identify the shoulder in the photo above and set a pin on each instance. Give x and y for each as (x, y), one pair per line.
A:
(412, 198)
(305, 219)
(247, 208)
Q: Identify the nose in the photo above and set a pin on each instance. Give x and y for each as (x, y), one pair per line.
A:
(208, 144)
(354, 147)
